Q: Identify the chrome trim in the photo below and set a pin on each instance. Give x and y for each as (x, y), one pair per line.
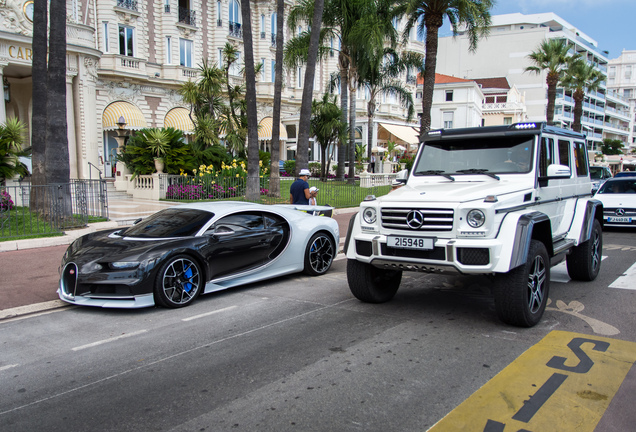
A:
(424, 268)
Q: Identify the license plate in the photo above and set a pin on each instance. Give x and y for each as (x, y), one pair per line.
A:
(422, 243)
(619, 219)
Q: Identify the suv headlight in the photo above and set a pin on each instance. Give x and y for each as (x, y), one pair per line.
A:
(369, 215)
(475, 218)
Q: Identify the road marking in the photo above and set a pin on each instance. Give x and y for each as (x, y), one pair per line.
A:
(575, 308)
(565, 382)
(209, 313)
(101, 342)
(627, 280)
(2, 368)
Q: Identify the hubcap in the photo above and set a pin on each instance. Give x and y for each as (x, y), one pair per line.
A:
(181, 281)
(320, 254)
(536, 284)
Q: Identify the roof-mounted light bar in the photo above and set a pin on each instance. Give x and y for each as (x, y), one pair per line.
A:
(521, 126)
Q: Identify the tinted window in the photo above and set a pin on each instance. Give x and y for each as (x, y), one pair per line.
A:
(618, 187)
(564, 153)
(580, 154)
(546, 156)
(241, 222)
(170, 223)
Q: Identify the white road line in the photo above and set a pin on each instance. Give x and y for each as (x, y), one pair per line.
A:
(101, 342)
(209, 313)
(627, 280)
(2, 368)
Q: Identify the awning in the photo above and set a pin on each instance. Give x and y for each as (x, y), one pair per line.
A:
(404, 133)
(133, 117)
(265, 130)
(179, 118)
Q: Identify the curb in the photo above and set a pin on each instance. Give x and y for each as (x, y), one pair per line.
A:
(21, 311)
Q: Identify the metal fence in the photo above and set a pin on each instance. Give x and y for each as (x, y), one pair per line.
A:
(205, 188)
(29, 211)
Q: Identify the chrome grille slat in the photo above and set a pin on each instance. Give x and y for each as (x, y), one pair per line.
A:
(433, 219)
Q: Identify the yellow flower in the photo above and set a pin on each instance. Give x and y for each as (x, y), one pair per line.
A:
(238, 175)
(200, 174)
(233, 160)
(185, 174)
(260, 163)
(194, 170)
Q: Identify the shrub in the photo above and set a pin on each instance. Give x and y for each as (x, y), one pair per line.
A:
(6, 203)
(290, 167)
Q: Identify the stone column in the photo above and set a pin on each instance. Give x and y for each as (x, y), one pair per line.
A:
(70, 126)
(121, 182)
(3, 110)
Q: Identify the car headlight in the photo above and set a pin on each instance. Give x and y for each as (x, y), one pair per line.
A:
(369, 215)
(122, 265)
(475, 218)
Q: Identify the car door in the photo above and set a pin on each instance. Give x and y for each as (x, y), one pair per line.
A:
(549, 191)
(237, 243)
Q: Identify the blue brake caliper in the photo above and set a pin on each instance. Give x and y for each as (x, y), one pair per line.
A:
(188, 274)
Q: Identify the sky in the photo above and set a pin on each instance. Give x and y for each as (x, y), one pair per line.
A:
(610, 22)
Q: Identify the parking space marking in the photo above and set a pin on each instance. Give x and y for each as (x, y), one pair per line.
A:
(209, 313)
(627, 280)
(559, 273)
(104, 341)
(3, 368)
(565, 382)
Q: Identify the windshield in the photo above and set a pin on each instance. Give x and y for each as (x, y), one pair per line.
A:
(503, 155)
(618, 187)
(170, 222)
(598, 173)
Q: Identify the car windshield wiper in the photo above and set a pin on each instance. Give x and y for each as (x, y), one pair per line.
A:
(478, 171)
(435, 172)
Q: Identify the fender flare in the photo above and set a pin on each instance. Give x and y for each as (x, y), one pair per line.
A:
(349, 231)
(593, 210)
(524, 234)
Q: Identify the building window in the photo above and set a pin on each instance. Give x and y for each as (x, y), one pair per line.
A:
(448, 119)
(507, 120)
(219, 19)
(185, 52)
(273, 71)
(262, 26)
(300, 77)
(234, 16)
(612, 72)
(168, 50)
(263, 72)
(166, 6)
(126, 41)
(449, 95)
(220, 60)
(106, 42)
(628, 72)
(236, 66)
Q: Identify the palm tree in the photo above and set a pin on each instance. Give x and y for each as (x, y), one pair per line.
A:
(380, 74)
(39, 93)
(56, 153)
(253, 191)
(551, 56)
(11, 150)
(581, 77)
(328, 128)
(427, 16)
(274, 180)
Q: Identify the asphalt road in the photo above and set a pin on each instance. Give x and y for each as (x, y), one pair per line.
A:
(301, 354)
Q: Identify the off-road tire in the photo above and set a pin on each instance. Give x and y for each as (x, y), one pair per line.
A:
(371, 284)
(584, 262)
(522, 294)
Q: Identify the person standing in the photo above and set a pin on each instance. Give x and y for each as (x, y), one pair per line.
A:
(372, 164)
(299, 190)
(313, 193)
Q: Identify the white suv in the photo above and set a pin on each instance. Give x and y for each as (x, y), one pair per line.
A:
(509, 201)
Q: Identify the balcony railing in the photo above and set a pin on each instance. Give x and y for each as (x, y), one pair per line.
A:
(235, 30)
(128, 4)
(188, 16)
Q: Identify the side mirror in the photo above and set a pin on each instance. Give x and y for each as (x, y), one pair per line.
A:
(559, 171)
(401, 178)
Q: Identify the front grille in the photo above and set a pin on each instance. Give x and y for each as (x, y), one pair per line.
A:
(438, 253)
(431, 219)
(611, 211)
(473, 256)
(69, 279)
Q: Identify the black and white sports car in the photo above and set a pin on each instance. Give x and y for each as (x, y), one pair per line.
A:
(176, 254)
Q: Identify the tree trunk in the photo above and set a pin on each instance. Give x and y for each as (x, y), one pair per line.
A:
(39, 89)
(274, 173)
(578, 97)
(433, 23)
(304, 126)
(343, 65)
(253, 192)
(352, 134)
(371, 115)
(552, 80)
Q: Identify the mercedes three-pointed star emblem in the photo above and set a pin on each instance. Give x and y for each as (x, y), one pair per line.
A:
(414, 219)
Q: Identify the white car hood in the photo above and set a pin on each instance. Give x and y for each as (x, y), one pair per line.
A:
(457, 191)
(617, 200)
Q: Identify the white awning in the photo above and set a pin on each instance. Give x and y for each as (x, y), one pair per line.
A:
(265, 130)
(405, 133)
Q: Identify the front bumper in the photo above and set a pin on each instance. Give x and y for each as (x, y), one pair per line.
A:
(455, 256)
(104, 289)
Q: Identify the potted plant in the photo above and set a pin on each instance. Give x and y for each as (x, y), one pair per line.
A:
(158, 144)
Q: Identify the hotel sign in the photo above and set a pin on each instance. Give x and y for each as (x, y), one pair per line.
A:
(19, 52)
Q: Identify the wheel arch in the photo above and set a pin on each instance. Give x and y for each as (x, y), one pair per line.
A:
(352, 220)
(530, 226)
(188, 252)
(593, 210)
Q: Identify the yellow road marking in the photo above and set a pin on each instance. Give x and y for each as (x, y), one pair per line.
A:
(565, 382)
